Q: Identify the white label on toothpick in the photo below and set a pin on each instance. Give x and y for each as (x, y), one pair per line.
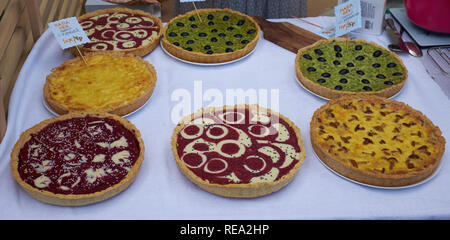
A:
(68, 32)
(348, 17)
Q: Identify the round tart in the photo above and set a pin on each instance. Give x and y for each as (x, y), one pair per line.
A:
(220, 35)
(336, 67)
(112, 82)
(242, 151)
(78, 158)
(120, 29)
(376, 141)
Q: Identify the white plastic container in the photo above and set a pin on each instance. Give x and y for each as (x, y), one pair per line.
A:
(372, 16)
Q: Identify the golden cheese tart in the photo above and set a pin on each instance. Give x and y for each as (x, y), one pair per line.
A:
(112, 82)
(120, 29)
(376, 141)
(241, 151)
(78, 158)
(337, 67)
(219, 35)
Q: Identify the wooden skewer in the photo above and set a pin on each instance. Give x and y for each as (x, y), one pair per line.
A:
(84, 60)
(346, 42)
(307, 22)
(196, 10)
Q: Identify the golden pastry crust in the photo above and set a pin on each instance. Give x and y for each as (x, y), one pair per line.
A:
(331, 93)
(75, 199)
(199, 57)
(237, 190)
(376, 141)
(139, 51)
(134, 97)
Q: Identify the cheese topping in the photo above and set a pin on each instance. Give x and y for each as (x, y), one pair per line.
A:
(108, 82)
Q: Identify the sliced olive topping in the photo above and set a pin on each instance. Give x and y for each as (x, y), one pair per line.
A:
(194, 26)
(381, 76)
(359, 58)
(244, 41)
(365, 81)
(251, 31)
(318, 52)
(397, 74)
(338, 87)
(184, 34)
(214, 30)
(338, 55)
(202, 34)
(222, 35)
(321, 80)
(327, 75)
(213, 39)
(192, 19)
(176, 43)
(188, 49)
(240, 22)
(388, 83)
(190, 42)
(180, 24)
(238, 35)
(230, 28)
(321, 59)
(311, 69)
(358, 47)
(172, 34)
(336, 62)
(391, 65)
(307, 56)
(376, 65)
(229, 43)
(337, 48)
(350, 65)
(360, 72)
(225, 18)
(209, 52)
(228, 50)
(377, 53)
(210, 17)
(343, 80)
(367, 88)
(344, 71)
(207, 47)
(210, 23)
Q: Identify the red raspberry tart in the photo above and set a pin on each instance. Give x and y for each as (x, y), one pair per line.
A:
(78, 158)
(241, 151)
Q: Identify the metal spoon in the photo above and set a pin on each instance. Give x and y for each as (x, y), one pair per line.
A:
(413, 49)
(394, 48)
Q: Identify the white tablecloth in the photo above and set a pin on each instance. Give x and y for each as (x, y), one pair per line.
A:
(160, 191)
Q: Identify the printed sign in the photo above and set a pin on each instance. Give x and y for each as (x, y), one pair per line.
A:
(328, 32)
(348, 17)
(68, 32)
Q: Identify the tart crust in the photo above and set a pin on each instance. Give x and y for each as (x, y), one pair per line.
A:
(139, 51)
(75, 199)
(237, 190)
(122, 109)
(394, 179)
(331, 93)
(209, 58)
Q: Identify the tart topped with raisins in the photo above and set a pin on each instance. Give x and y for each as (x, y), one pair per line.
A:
(219, 35)
(376, 141)
(337, 67)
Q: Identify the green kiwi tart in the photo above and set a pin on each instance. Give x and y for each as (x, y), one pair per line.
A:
(336, 67)
(219, 35)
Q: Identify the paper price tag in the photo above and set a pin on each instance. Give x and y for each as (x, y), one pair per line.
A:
(348, 17)
(68, 32)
